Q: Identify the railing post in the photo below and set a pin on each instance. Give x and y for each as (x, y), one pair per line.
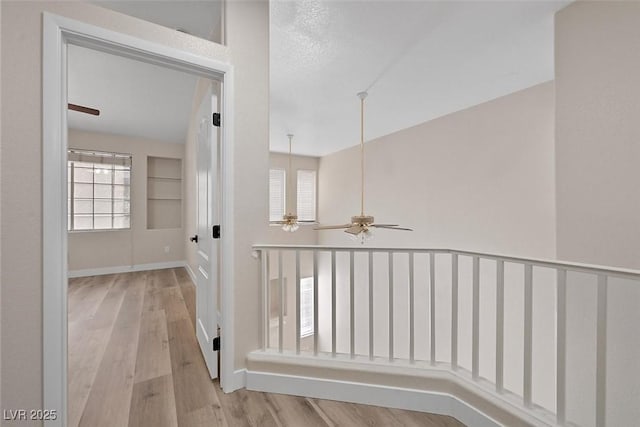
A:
(432, 306)
(370, 305)
(528, 334)
(561, 347)
(263, 304)
(297, 302)
(475, 327)
(390, 262)
(499, 326)
(333, 303)
(315, 302)
(282, 302)
(267, 297)
(601, 353)
(454, 312)
(352, 306)
(411, 310)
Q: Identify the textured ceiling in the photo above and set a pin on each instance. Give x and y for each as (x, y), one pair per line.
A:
(419, 60)
(134, 98)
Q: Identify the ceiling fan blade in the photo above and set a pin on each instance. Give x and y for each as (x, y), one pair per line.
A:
(83, 109)
(385, 225)
(389, 227)
(355, 230)
(331, 227)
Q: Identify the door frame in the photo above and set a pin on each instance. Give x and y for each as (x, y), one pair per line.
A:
(58, 32)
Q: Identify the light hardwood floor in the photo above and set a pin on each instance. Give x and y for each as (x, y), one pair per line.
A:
(134, 361)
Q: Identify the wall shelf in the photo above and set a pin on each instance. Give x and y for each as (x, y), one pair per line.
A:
(164, 193)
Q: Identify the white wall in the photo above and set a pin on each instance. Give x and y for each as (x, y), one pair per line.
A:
(137, 245)
(481, 179)
(598, 202)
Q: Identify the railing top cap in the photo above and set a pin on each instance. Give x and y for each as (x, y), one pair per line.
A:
(571, 266)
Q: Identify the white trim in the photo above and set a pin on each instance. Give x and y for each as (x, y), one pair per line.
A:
(125, 269)
(239, 379)
(57, 33)
(191, 274)
(369, 394)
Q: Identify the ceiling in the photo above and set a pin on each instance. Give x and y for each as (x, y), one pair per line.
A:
(134, 98)
(419, 60)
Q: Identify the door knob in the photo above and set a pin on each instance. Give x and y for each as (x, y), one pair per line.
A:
(194, 238)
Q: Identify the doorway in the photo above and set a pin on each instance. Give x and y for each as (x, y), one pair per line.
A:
(59, 33)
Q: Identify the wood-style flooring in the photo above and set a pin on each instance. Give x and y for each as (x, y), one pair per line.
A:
(134, 361)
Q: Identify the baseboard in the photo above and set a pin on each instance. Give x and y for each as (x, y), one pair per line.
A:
(236, 381)
(125, 269)
(191, 273)
(369, 394)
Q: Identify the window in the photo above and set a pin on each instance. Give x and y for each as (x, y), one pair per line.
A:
(277, 194)
(99, 190)
(306, 307)
(306, 196)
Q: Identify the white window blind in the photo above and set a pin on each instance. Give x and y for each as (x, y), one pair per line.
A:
(277, 194)
(99, 190)
(306, 195)
(306, 307)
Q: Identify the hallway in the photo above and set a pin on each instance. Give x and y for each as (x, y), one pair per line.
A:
(134, 361)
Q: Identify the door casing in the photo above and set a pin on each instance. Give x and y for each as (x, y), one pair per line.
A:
(58, 32)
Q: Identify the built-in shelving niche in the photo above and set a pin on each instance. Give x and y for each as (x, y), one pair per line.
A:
(164, 193)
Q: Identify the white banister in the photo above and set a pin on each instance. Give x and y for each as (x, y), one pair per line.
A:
(601, 352)
(281, 304)
(292, 264)
(297, 302)
(370, 305)
(412, 356)
(390, 262)
(561, 349)
(352, 306)
(333, 303)
(432, 306)
(454, 311)
(475, 325)
(528, 335)
(499, 326)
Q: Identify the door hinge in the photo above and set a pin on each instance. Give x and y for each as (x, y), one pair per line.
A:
(216, 232)
(216, 119)
(216, 344)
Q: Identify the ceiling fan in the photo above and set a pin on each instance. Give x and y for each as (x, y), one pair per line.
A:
(289, 221)
(83, 109)
(362, 225)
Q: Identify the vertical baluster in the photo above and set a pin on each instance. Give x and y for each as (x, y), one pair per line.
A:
(475, 339)
(499, 326)
(333, 303)
(528, 334)
(432, 305)
(267, 326)
(315, 303)
(561, 352)
(411, 311)
(352, 306)
(264, 270)
(371, 305)
(454, 311)
(601, 352)
(390, 262)
(282, 302)
(297, 302)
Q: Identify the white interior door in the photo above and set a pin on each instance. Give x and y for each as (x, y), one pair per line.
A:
(208, 247)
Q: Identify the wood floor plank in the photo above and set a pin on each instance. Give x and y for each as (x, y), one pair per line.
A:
(174, 305)
(246, 408)
(207, 416)
(160, 279)
(294, 411)
(110, 397)
(153, 359)
(153, 403)
(414, 418)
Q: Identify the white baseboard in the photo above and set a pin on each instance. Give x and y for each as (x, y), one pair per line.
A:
(125, 269)
(369, 394)
(236, 381)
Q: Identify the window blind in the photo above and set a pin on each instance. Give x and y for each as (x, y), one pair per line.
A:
(277, 194)
(306, 195)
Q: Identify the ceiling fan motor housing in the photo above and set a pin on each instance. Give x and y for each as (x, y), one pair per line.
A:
(362, 220)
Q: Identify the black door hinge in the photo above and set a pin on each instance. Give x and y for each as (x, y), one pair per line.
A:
(216, 119)
(216, 344)
(216, 232)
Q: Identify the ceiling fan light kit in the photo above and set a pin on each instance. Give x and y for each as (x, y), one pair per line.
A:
(289, 221)
(361, 226)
